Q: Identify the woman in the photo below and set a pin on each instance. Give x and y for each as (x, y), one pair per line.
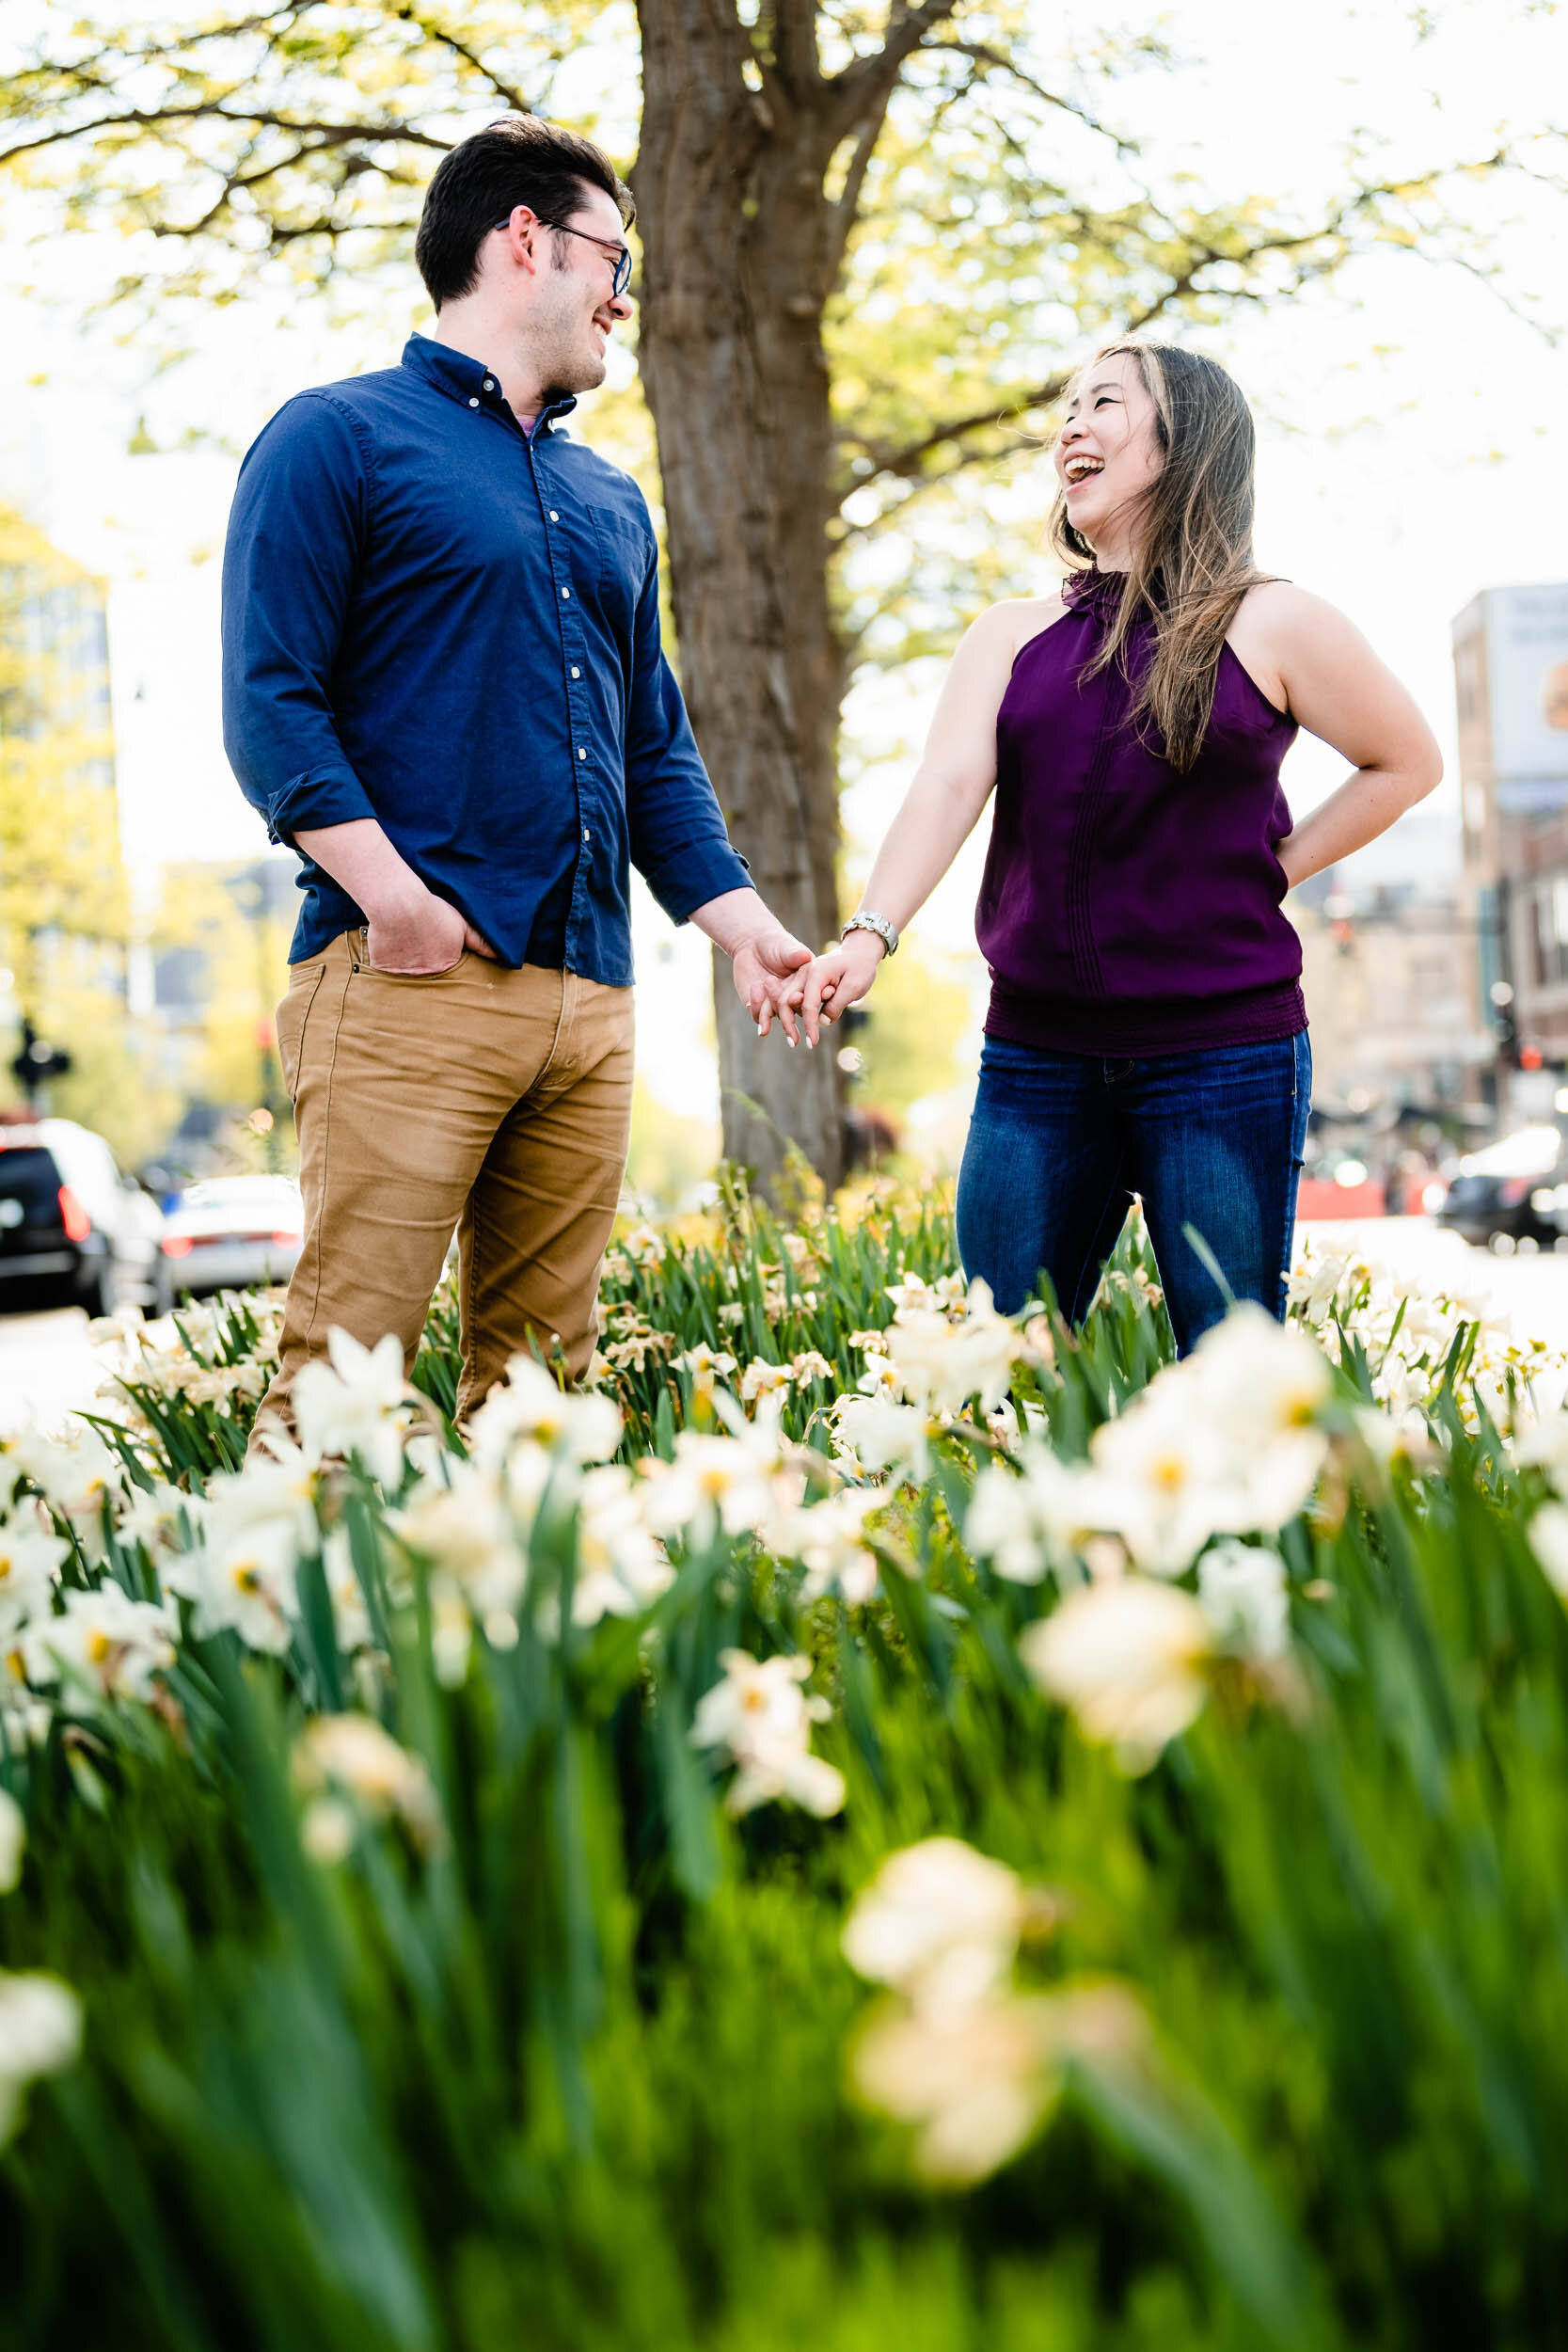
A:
(1146, 1032)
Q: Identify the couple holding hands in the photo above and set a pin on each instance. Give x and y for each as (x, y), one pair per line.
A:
(444, 686)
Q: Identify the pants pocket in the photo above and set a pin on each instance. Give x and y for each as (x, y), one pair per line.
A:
(292, 1015)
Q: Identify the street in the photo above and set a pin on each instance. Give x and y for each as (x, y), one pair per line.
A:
(48, 1368)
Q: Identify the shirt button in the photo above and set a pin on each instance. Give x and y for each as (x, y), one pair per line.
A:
(473, 404)
(576, 672)
(581, 754)
(566, 592)
(488, 384)
(554, 517)
(586, 834)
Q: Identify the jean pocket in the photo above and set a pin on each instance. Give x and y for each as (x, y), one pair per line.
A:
(288, 1023)
(379, 972)
(360, 943)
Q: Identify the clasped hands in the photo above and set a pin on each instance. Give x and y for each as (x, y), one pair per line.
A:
(810, 993)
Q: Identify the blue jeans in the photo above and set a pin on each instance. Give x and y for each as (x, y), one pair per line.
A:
(1059, 1143)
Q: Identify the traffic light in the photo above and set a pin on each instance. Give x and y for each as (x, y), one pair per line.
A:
(38, 1059)
(1506, 1025)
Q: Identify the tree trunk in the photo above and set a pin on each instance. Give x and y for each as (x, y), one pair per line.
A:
(735, 231)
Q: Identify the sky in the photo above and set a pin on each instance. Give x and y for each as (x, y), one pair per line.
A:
(1412, 449)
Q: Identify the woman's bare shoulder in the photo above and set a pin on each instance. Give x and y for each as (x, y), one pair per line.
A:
(1010, 624)
(1282, 608)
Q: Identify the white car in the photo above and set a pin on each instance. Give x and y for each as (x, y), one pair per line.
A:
(235, 1233)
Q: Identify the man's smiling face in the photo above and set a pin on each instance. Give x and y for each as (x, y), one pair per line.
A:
(573, 308)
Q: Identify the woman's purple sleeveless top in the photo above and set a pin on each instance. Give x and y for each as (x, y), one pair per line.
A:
(1128, 908)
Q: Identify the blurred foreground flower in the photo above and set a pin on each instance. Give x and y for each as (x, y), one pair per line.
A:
(1125, 1654)
(973, 2064)
(13, 1841)
(939, 1923)
(40, 2032)
(339, 1758)
(762, 1718)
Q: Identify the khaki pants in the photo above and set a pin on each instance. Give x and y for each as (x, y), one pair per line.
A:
(494, 1103)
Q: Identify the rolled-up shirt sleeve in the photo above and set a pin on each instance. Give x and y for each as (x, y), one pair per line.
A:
(296, 535)
(680, 844)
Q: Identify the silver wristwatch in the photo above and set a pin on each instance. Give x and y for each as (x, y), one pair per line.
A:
(886, 932)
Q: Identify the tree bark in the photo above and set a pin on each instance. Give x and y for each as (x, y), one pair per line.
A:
(736, 244)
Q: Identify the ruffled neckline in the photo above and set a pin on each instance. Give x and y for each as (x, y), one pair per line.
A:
(1095, 590)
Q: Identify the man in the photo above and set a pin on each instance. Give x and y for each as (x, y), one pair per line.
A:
(443, 684)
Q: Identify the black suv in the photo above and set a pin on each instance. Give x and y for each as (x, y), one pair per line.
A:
(73, 1230)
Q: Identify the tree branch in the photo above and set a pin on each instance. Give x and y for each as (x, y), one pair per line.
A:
(862, 88)
(796, 57)
(211, 110)
(513, 99)
(902, 465)
(983, 54)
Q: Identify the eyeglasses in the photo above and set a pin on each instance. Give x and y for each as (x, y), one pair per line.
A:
(620, 254)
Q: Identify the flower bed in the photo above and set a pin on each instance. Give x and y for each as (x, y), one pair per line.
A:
(874, 1821)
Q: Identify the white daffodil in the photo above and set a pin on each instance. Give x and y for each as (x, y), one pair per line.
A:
(356, 1756)
(942, 1364)
(31, 1558)
(763, 1379)
(528, 1403)
(75, 1474)
(355, 1402)
(621, 1567)
(1265, 1386)
(13, 1841)
(705, 1366)
(1548, 1541)
(714, 1481)
(882, 1436)
(812, 1365)
(975, 2081)
(762, 1718)
(161, 1518)
(40, 2034)
(466, 1531)
(243, 1579)
(1037, 1519)
(1126, 1656)
(1165, 1477)
(103, 1642)
(351, 1618)
(452, 1633)
(284, 1482)
(1243, 1591)
(940, 1923)
(828, 1538)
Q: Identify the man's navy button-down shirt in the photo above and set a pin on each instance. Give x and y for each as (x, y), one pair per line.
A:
(435, 619)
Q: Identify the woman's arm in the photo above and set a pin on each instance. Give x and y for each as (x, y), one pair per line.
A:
(939, 812)
(1335, 686)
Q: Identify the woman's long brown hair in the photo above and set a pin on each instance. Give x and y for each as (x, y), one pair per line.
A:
(1192, 557)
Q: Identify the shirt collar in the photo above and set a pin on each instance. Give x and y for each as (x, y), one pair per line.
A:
(468, 380)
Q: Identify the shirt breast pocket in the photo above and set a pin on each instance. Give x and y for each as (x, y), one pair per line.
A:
(625, 558)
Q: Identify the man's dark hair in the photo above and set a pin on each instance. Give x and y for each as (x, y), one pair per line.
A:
(518, 160)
